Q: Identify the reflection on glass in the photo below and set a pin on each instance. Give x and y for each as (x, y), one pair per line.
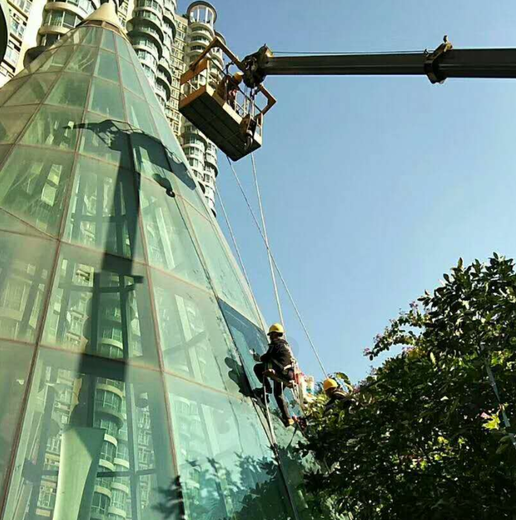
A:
(129, 77)
(11, 86)
(107, 66)
(108, 41)
(14, 369)
(53, 126)
(149, 156)
(58, 60)
(12, 122)
(93, 36)
(194, 340)
(33, 186)
(105, 139)
(169, 244)
(139, 114)
(25, 263)
(100, 305)
(33, 91)
(70, 91)
(226, 465)
(106, 98)
(83, 61)
(223, 273)
(94, 444)
(103, 211)
(123, 48)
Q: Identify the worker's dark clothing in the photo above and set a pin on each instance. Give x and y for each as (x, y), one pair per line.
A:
(338, 396)
(278, 357)
(232, 87)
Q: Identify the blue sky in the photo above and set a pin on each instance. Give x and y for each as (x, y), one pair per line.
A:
(373, 187)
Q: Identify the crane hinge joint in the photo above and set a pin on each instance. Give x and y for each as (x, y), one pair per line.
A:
(253, 66)
(431, 64)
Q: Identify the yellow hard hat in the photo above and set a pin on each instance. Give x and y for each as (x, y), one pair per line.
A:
(238, 76)
(329, 383)
(276, 327)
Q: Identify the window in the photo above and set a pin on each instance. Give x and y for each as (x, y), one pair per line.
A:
(99, 504)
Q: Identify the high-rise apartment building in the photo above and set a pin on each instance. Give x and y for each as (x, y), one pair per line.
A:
(165, 43)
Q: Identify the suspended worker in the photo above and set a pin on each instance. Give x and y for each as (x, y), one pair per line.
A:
(232, 87)
(278, 361)
(335, 393)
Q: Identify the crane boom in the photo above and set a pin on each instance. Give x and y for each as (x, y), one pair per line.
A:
(445, 62)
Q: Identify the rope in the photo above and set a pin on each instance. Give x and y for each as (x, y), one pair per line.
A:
(266, 239)
(298, 314)
(239, 256)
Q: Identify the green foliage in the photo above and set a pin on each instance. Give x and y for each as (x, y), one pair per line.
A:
(426, 436)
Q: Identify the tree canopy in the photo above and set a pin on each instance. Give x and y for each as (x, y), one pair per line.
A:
(430, 434)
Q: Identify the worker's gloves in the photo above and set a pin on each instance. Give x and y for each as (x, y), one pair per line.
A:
(255, 354)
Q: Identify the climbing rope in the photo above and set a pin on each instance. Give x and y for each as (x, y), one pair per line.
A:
(275, 264)
(239, 256)
(267, 245)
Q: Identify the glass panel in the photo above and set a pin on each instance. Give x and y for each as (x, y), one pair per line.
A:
(223, 273)
(13, 224)
(106, 98)
(123, 48)
(108, 40)
(100, 305)
(167, 137)
(247, 336)
(70, 91)
(107, 66)
(55, 127)
(93, 35)
(105, 139)
(83, 60)
(58, 60)
(129, 77)
(103, 211)
(15, 362)
(186, 186)
(36, 64)
(94, 442)
(33, 186)
(33, 91)
(149, 157)
(194, 340)
(139, 113)
(147, 88)
(77, 35)
(25, 263)
(4, 148)
(169, 244)
(12, 122)
(10, 87)
(225, 461)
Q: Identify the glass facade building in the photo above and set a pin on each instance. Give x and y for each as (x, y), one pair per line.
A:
(125, 324)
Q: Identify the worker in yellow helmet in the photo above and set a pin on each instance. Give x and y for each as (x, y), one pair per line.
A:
(232, 87)
(279, 358)
(335, 394)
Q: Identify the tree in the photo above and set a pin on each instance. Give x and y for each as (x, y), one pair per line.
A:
(430, 434)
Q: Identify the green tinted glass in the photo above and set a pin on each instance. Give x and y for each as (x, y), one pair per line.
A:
(77, 35)
(93, 36)
(222, 444)
(108, 40)
(10, 87)
(103, 212)
(25, 264)
(194, 340)
(107, 66)
(4, 149)
(106, 295)
(70, 90)
(15, 361)
(169, 244)
(33, 186)
(149, 156)
(54, 127)
(147, 88)
(223, 273)
(129, 78)
(83, 60)
(58, 60)
(124, 48)
(12, 122)
(105, 139)
(94, 433)
(33, 91)
(106, 98)
(37, 63)
(139, 114)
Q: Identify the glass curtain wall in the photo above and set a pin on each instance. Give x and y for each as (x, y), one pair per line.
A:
(125, 326)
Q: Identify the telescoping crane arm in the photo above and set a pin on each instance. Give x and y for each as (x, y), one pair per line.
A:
(445, 62)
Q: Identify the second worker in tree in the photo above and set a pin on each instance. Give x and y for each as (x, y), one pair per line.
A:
(280, 359)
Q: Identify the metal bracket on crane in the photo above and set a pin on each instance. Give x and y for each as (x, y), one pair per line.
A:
(432, 61)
